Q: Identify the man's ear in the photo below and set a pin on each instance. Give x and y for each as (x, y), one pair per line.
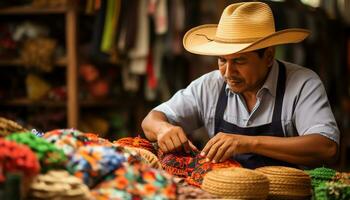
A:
(270, 55)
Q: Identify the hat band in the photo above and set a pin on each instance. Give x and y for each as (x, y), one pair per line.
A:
(232, 40)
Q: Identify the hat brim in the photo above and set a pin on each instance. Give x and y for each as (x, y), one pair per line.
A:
(196, 41)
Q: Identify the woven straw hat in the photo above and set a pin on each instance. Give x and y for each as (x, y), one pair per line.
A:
(8, 126)
(236, 183)
(151, 159)
(242, 27)
(287, 182)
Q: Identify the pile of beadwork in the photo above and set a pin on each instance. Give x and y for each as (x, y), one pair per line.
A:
(17, 158)
(142, 147)
(66, 139)
(136, 181)
(136, 142)
(329, 184)
(191, 166)
(49, 155)
(92, 163)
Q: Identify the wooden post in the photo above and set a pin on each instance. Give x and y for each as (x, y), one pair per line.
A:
(72, 63)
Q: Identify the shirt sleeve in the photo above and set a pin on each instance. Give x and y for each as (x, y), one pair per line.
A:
(183, 109)
(313, 113)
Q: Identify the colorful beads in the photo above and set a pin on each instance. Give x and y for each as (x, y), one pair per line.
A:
(203, 167)
(320, 175)
(65, 139)
(192, 165)
(136, 181)
(137, 142)
(49, 156)
(332, 191)
(92, 163)
(17, 158)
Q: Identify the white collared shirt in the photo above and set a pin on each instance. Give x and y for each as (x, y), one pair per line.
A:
(305, 109)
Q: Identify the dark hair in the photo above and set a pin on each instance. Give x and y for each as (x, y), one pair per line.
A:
(260, 52)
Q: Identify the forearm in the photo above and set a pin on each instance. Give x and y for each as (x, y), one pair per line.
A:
(153, 123)
(309, 150)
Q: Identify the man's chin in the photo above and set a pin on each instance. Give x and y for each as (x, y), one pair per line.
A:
(236, 90)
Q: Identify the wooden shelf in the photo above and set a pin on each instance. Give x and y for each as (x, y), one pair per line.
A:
(28, 9)
(35, 103)
(61, 62)
(105, 103)
(24, 102)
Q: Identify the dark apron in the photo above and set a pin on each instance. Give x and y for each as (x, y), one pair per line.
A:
(274, 128)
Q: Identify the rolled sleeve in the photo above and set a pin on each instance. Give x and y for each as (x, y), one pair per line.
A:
(313, 114)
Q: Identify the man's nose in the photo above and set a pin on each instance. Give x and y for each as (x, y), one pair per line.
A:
(230, 68)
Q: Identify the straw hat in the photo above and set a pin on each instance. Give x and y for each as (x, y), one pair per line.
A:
(149, 157)
(236, 183)
(242, 27)
(287, 182)
(8, 126)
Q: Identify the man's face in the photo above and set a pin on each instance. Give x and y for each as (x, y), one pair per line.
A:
(245, 72)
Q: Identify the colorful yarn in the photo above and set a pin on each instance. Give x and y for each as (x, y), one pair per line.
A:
(17, 158)
(320, 175)
(65, 139)
(37, 133)
(203, 167)
(332, 191)
(137, 142)
(191, 165)
(179, 163)
(92, 163)
(49, 156)
(94, 139)
(342, 177)
(136, 181)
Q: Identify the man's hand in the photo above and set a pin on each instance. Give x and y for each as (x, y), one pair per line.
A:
(224, 145)
(173, 138)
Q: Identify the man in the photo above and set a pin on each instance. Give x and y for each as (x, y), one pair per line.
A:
(255, 108)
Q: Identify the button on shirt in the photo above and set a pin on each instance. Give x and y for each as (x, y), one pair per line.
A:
(305, 110)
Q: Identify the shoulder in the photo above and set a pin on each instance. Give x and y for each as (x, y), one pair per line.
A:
(298, 76)
(302, 85)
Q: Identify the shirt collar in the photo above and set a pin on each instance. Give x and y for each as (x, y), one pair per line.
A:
(270, 84)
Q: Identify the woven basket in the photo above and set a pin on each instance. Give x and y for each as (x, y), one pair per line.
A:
(287, 182)
(236, 183)
(58, 184)
(8, 126)
(148, 156)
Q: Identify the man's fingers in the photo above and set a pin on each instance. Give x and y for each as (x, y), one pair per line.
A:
(213, 150)
(177, 143)
(208, 146)
(220, 152)
(163, 147)
(228, 153)
(194, 148)
(186, 147)
(182, 136)
(169, 144)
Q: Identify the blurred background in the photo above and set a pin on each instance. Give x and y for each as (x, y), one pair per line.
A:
(101, 65)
